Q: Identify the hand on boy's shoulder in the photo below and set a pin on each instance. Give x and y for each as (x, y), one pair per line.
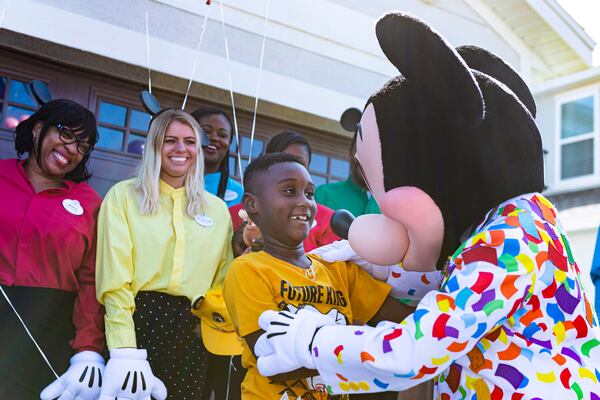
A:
(377, 272)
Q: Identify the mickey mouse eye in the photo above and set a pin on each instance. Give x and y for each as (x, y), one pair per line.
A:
(217, 317)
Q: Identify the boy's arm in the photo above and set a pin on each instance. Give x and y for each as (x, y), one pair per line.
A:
(292, 375)
(391, 310)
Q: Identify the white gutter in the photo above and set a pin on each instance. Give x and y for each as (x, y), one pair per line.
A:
(581, 78)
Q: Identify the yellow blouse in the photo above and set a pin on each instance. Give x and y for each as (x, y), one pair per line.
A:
(168, 252)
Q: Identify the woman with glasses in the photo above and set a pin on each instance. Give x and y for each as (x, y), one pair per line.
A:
(47, 258)
(162, 243)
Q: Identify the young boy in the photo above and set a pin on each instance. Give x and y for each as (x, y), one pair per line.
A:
(279, 198)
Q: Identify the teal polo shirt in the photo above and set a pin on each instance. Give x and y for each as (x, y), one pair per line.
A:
(347, 195)
(233, 193)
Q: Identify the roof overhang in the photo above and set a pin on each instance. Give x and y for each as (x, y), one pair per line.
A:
(549, 32)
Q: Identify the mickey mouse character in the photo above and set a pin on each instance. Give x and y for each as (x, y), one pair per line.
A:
(450, 151)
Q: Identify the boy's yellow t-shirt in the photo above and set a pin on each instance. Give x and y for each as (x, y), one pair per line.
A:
(257, 282)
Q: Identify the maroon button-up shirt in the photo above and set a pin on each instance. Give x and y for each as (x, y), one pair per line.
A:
(43, 244)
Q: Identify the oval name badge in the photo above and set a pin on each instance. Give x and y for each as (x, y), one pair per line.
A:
(203, 220)
(73, 206)
(230, 195)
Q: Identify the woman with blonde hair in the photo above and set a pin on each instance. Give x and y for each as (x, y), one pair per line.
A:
(162, 243)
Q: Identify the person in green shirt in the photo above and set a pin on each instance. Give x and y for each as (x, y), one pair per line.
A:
(351, 194)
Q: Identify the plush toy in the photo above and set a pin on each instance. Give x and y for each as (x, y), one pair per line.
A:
(451, 152)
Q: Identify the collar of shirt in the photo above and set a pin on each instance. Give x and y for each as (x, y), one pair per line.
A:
(353, 186)
(68, 185)
(170, 190)
(525, 201)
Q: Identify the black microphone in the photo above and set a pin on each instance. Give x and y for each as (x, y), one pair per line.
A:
(340, 223)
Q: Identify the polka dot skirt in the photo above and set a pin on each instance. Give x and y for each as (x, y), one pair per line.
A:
(167, 329)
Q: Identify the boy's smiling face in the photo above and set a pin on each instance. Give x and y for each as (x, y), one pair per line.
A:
(282, 204)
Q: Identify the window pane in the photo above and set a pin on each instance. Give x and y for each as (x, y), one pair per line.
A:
(318, 180)
(232, 166)
(244, 165)
(318, 163)
(139, 120)
(14, 115)
(257, 146)
(577, 159)
(233, 146)
(577, 117)
(339, 167)
(20, 93)
(2, 86)
(135, 143)
(112, 114)
(110, 138)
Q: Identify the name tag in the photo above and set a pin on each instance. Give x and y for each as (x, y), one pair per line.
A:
(203, 220)
(73, 206)
(230, 195)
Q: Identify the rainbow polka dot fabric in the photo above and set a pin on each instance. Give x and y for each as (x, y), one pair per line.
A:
(511, 321)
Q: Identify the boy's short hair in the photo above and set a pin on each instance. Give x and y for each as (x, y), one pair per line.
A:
(261, 164)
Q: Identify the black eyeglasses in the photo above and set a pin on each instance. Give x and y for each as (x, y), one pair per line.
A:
(67, 136)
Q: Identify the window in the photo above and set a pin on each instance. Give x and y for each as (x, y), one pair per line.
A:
(576, 138)
(257, 148)
(325, 169)
(121, 128)
(16, 102)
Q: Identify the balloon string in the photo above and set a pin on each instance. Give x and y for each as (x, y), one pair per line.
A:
(235, 124)
(229, 377)
(260, 68)
(28, 332)
(4, 8)
(148, 50)
(187, 92)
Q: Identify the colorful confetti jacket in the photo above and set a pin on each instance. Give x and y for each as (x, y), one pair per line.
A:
(511, 321)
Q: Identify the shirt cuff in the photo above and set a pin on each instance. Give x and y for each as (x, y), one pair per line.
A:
(120, 338)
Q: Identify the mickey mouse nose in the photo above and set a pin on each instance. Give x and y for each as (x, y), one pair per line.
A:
(340, 223)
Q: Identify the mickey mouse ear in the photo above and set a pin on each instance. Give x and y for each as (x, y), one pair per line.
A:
(433, 68)
(350, 118)
(149, 102)
(40, 92)
(487, 62)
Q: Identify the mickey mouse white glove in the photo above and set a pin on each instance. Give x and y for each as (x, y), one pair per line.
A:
(340, 250)
(285, 345)
(128, 376)
(82, 380)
